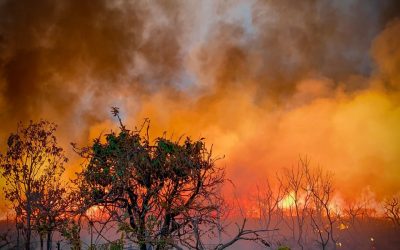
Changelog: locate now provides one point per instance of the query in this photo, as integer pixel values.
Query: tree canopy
(32, 166)
(155, 188)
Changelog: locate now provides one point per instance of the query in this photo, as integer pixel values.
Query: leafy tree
(53, 208)
(32, 160)
(154, 189)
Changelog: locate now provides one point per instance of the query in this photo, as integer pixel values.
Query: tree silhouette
(53, 208)
(392, 210)
(154, 189)
(311, 217)
(32, 161)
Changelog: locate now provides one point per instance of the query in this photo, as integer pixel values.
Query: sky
(265, 82)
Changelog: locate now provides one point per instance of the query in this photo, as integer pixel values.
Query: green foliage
(71, 232)
(156, 183)
(128, 155)
(125, 227)
(117, 245)
(92, 247)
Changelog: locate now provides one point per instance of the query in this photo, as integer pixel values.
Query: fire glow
(265, 82)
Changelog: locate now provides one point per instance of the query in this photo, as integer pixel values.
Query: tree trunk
(142, 246)
(41, 241)
(142, 234)
(49, 234)
(28, 219)
(28, 241)
(142, 240)
(18, 237)
(28, 234)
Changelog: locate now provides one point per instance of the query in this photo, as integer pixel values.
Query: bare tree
(323, 217)
(196, 238)
(392, 210)
(245, 234)
(271, 214)
(310, 212)
(31, 159)
(295, 184)
(354, 212)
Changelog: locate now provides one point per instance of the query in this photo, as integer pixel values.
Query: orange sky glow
(262, 88)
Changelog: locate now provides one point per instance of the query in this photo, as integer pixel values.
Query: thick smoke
(63, 59)
(264, 81)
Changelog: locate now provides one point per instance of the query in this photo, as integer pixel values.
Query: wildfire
(94, 212)
(288, 201)
(343, 226)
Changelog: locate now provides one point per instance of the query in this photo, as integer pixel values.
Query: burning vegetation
(276, 86)
(165, 194)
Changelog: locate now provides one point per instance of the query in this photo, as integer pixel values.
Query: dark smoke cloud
(68, 61)
(60, 57)
(290, 40)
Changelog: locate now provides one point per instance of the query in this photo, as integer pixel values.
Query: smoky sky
(69, 61)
